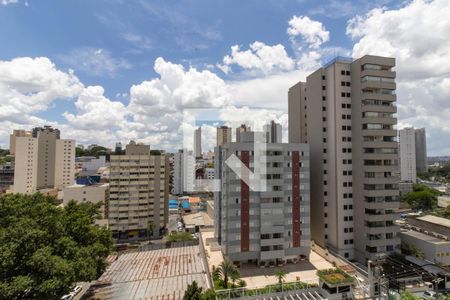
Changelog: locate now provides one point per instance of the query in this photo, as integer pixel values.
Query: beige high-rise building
(241, 129)
(12, 139)
(43, 160)
(139, 192)
(223, 135)
(346, 112)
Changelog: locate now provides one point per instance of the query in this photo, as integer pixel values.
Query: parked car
(76, 290)
(429, 295)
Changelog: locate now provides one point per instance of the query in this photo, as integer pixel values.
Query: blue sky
(115, 45)
(189, 32)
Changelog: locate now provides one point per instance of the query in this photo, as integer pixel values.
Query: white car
(429, 295)
(76, 289)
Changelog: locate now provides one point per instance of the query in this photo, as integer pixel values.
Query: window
(324, 172)
(347, 73)
(324, 98)
(342, 83)
(323, 77)
(347, 83)
(324, 129)
(342, 72)
(324, 150)
(326, 225)
(324, 108)
(324, 140)
(325, 204)
(348, 95)
(325, 193)
(323, 88)
(325, 182)
(325, 215)
(342, 94)
(324, 161)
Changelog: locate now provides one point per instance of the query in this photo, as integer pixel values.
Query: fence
(276, 289)
(205, 261)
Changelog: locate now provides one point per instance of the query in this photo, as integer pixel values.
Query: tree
(46, 249)
(209, 294)
(193, 292)
(280, 275)
(224, 271)
(234, 276)
(410, 249)
(421, 197)
(408, 296)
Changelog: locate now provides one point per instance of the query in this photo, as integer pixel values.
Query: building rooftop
(155, 274)
(435, 220)
(424, 237)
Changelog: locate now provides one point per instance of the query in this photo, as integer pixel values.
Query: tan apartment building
(139, 192)
(97, 193)
(43, 161)
(12, 139)
(346, 112)
(223, 135)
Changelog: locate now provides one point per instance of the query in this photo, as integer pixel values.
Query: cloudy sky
(107, 71)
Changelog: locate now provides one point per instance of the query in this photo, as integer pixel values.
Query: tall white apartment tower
(407, 145)
(184, 172)
(43, 160)
(273, 132)
(346, 111)
(198, 142)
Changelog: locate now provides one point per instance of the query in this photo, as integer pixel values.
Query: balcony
(378, 96)
(378, 73)
(272, 255)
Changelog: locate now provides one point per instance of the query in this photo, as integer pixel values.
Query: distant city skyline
(119, 71)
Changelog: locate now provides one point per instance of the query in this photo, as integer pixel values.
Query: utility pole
(375, 273)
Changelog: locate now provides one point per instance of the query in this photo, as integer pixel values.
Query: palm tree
(225, 271)
(234, 277)
(280, 275)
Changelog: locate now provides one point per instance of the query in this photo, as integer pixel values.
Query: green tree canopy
(46, 249)
(421, 197)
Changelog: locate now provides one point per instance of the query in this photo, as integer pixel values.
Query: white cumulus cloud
(259, 59)
(417, 36)
(312, 32)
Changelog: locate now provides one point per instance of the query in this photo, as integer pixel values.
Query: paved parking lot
(258, 277)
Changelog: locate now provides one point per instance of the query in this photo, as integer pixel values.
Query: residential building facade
(346, 111)
(198, 142)
(407, 145)
(241, 129)
(421, 150)
(183, 176)
(273, 132)
(43, 160)
(223, 135)
(139, 192)
(264, 227)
